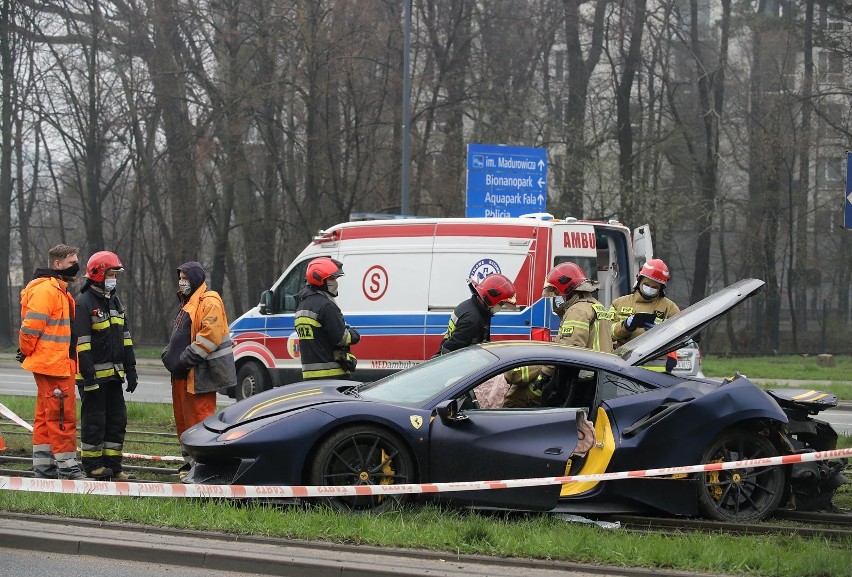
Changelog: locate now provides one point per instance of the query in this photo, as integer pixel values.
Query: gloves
(354, 336)
(346, 359)
(19, 356)
(132, 382)
(639, 321)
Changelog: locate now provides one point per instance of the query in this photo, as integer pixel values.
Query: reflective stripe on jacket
(210, 354)
(47, 310)
(322, 331)
(104, 345)
(587, 324)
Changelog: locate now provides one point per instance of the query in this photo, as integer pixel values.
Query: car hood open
(676, 331)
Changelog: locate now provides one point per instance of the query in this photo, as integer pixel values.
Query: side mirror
(265, 306)
(449, 412)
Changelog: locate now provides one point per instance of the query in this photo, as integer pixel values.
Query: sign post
(847, 202)
(505, 181)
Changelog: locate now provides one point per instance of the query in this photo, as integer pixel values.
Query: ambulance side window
(285, 293)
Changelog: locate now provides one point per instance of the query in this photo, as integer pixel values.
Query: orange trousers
(190, 409)
(48, 429)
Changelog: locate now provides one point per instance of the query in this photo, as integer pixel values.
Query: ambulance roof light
(538, 215)
(570, 219)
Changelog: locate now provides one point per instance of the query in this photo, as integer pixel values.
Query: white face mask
(109, 284)
(332, 286)
(558, 305)
(648, 292)
(496, 308)
(184, 287)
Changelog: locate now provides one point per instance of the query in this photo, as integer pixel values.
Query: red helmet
(495, 289)
(100, 262)
(656, 270)
(321, 269)
(568, 277)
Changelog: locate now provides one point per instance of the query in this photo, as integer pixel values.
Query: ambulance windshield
(418, 384)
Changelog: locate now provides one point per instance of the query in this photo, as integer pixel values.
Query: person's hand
(132, 382)
(638, 321)
(19, 356)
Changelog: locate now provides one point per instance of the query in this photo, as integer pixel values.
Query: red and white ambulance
(404, 277)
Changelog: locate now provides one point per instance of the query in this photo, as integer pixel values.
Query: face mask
(71, 271)
(184, 287)
(558, 305)
(109, 284)
(331, 285)
(496, 308)
(648, 292)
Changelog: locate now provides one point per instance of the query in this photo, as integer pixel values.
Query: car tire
(363, 455)
(251, 379)
(743, 494)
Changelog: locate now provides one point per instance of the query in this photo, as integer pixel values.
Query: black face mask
(71, 271)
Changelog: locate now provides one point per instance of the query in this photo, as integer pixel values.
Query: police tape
(4, 410)
(298, 491)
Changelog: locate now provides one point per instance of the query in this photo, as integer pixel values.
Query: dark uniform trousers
(102, 439)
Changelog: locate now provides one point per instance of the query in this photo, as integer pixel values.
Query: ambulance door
(384, 296)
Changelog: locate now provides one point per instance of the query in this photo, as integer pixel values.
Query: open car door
(498, 444)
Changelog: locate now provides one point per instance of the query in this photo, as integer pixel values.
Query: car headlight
(241, 431)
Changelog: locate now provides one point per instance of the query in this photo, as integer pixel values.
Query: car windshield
(416, 385)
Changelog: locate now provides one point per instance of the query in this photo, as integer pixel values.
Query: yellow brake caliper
(716, 491)
(387, 469)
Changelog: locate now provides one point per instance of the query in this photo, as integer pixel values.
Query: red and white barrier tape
(250, 491)
(4, 410)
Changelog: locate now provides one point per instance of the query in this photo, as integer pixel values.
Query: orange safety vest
(47, 311)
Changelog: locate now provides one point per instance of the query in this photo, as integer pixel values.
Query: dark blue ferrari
(440, 422)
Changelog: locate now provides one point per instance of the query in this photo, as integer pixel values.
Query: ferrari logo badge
(416, 421)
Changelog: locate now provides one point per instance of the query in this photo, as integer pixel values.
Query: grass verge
(795, 367)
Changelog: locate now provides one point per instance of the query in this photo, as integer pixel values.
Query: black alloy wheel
(363, 455)
(743, 494)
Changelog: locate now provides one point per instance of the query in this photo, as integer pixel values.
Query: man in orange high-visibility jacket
(47, 348)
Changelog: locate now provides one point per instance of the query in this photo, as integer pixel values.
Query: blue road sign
(505, 180)
(847, 203)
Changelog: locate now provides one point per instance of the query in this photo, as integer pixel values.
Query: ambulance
(404, 277)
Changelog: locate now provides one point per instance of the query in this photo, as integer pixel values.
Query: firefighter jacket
(469, 324)
(662, 307)
(586, 323)
(104, 347)
(324, 337)
(46, 336)
(208, 360)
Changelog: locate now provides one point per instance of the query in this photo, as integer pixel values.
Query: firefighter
(645, 307)
(200, 354)
(470, 322)
(105, 357)
(47, 347)
(585, 322)
(324, 337)
(583, 317)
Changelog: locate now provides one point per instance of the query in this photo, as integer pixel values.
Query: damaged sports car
(442, 421)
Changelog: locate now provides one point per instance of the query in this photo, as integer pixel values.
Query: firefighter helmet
(100, 262)
(656, 270)
(321, 269)
(495, 289)
(569, 277)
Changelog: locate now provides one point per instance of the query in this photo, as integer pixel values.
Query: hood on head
(194, 272)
